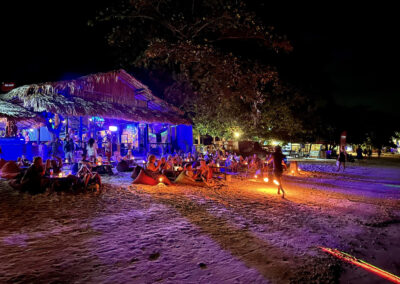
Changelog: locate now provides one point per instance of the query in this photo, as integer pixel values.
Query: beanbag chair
(123, 166)
(136, 172)
(143, 178)
(2, 162)
(9, 170)
(184, 179)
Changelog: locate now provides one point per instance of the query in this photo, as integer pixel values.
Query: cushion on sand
(2, 162)
(123, 166)
(136, 172)
(184, 179)
(9, 170)
(143, 178)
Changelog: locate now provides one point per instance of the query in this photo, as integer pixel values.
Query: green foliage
(220, 90)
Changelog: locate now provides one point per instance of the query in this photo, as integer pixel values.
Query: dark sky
(343, 52)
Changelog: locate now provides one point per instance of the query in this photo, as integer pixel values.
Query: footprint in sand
(154, 256)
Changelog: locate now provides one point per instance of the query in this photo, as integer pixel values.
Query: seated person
(86, 176)
(188, 170)
(53, 167)
(128, 156)
(254, 163)
(19, 162)
(154, 171)
(33, 181)
(203, 172)
(99, 160)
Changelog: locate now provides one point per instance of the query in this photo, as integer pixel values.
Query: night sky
(341, 52)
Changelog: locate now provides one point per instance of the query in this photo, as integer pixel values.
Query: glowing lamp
(31, 130)
(266, 179)
(113, 128)
(276, 182)
(292, 172)
(50, 120)
(255, 176)
(236, 134)
(160, 179)
(60, 174)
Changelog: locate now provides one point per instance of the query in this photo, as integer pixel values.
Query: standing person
(92, 150)
(359, 153)
(379, 152)
(69, 148)
(108, 148)
(278, 163)
(341, 160)
(369, 153)
(54, 148)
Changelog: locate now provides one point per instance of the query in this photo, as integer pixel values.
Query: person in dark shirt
(32, 179)
(341, 160)
(278, 164)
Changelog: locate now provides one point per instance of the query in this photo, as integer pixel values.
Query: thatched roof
(24, 117)
(14, 111)
(115, 95)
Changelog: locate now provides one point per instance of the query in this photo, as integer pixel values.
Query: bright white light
(113, 128)
(237, 134)
(31, 130)
(273, 142)
(276, 182)
(255, 176)
(266, 179)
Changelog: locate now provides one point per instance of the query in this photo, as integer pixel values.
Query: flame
(276, 182)
(266, 179)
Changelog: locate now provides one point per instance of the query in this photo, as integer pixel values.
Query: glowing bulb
(50, 120)
(292, 172)
(276, 182)
(255, 176)
(237, 134)
(161, 179)
(266, 179)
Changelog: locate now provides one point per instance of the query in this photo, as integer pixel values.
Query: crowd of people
(199, 167)
(39, 176)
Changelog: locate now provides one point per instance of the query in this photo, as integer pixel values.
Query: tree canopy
(220, 88)
(198, 54)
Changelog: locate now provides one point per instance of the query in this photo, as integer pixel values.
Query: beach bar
(112, 105)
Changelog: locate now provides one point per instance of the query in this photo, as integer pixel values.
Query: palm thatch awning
(14, 111)
(115, 95)
(24, 117)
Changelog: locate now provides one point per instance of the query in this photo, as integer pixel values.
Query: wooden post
(38, 135)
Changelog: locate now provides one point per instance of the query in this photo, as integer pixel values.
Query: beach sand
(235, 232)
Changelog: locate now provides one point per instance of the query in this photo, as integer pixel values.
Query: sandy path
(238, 233)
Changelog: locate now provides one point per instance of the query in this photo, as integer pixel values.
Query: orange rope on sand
(351, 259)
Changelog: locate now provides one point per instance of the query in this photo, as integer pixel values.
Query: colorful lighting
(276, 182)
(266, 179)
(363, 264)
(113, 128)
